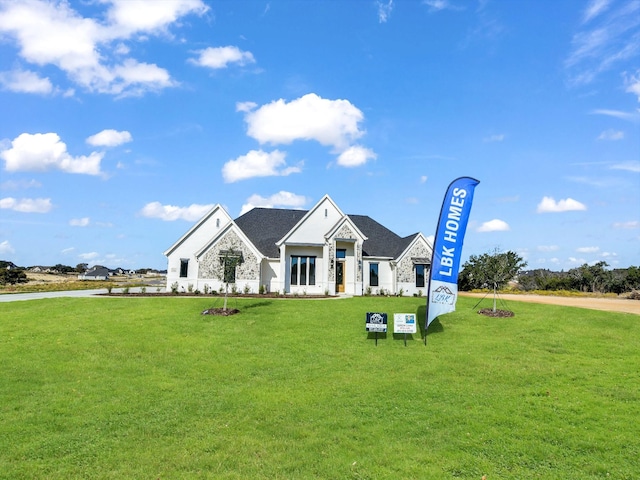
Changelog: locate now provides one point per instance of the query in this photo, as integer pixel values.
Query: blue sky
(124, 121)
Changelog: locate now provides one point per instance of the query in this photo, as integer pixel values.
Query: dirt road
(607, 304)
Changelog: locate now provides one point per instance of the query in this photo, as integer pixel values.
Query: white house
(313, 252)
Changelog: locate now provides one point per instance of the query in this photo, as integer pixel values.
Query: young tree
(491, 271)
(229, 260)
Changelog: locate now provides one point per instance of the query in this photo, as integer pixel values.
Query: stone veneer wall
(347, 233)
(332, 257)
(210, 266)
(405, 269)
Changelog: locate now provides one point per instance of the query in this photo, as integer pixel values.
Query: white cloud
(89, 255)
(423, 179)
(494, 225)
(22, 81)
(222, 57)
(609, 36)
(109, 138)
(595, 8)
(494, 138)
(257, 163)
(20, 184)
(631, 117)
(26, 205)
(632, 83)
(633, 166)
(43, 151)
(280, 199)
(5, 247)
(630, 225)
(170, 213)
(611, 134)
(548, 204)
(89, 50)
(588, 249)
(131, 16)
(245, 106)
(355, 156)
(384, 10)
(332, 123)
(79, 222)
(438, 5)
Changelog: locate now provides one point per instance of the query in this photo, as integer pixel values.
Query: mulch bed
(488, 312)
(221, 311)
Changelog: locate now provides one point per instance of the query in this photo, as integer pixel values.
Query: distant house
(95, 273)
(318, 251)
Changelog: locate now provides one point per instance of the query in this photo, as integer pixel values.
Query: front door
(340, 277)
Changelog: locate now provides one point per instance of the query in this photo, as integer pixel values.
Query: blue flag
(447, 247)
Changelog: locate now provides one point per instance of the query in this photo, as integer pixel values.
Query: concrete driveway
(15, 297)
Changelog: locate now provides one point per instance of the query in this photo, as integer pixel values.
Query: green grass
(295, 389)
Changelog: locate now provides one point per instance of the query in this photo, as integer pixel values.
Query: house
(318, 251)
(95, 273)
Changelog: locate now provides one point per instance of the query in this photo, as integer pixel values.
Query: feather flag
(447, 248)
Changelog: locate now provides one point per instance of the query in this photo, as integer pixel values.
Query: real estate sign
(376, 322)
(404, 323)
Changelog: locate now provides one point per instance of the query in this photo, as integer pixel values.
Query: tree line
(497, 270)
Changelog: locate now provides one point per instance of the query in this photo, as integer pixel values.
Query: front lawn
(295, 389)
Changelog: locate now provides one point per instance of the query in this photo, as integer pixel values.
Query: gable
(312, 228)
(204, 230)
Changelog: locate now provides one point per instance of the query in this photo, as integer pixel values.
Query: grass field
(148, 388)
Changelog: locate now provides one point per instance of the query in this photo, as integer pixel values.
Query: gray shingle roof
(265, 226)
(381, 241)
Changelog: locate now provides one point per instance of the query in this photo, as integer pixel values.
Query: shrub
(174, 288)
(247, 289)
(262, 289)
(206, 288)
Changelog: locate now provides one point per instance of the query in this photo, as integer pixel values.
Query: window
(184, 267)
(230, 259)
(341, 253)
(420, 275)
(230, 270)
(373, 275)
(294, 270)
(303, 270)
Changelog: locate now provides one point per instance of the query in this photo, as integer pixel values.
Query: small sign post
(404, 323)
(376, 322)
